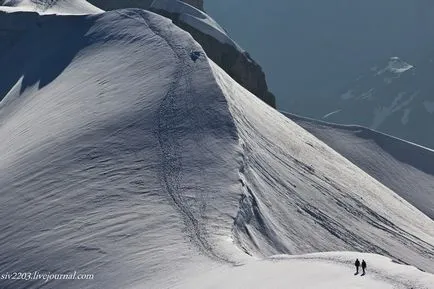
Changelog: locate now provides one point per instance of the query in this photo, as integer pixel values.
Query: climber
(363, 267)
(357, 264)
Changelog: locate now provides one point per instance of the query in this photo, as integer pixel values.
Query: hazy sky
(311, 48)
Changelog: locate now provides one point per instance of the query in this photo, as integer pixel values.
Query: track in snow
(173, 108)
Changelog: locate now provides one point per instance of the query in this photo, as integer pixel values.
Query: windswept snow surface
(195, 18)
(123, 158)
(311, 271)
(404, 167)
(301, 196)
(49, 6)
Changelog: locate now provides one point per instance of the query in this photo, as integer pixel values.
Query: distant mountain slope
(404, 167)
(393, 97)
(128, 154)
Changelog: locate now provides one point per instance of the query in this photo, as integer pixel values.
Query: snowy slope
(49, 6)
(124, 158)
(404, 167)
(322, 270)
(82, 169)
(301, 196)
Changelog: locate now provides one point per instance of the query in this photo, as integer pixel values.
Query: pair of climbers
(357, 264)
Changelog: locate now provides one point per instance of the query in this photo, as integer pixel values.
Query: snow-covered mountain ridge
(189, 16)
(219, 46)
(404, 167)
(125, 157)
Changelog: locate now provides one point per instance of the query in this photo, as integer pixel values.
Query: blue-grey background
(312, 48)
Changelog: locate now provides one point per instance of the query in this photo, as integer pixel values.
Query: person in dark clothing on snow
(363, 267)
(357, 264)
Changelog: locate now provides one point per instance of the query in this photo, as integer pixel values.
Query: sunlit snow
(124, 158)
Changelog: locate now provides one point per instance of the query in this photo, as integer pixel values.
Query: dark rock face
(249, 74)
(239, 65)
